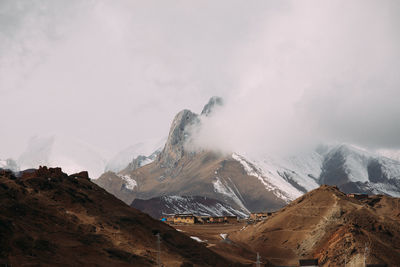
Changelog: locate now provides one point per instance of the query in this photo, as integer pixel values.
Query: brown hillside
(48, 218)
(328, 225)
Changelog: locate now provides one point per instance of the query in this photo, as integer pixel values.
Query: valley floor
(216, 237)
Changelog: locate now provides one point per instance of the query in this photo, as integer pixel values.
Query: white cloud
(114, 73)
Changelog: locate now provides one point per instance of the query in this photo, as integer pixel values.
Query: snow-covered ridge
(389, 153)
(199, 206)
(270, 178)
(357, 162)
(290, 177)
(221, 186)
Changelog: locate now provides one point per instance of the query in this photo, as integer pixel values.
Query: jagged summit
(178, 134)
(214, 102)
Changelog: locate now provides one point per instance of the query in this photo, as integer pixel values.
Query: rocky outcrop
(140, 161)
(330, 226)
(180, 131)
(149, 148)
(212, 104)
(178, 135)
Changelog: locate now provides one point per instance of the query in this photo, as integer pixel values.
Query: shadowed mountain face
(51, 219)
(164, 205)
(328, 225)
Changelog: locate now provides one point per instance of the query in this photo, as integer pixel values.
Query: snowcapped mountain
(198, 205)
(59, 151)
(147, 150)
(249, 182)
(358, 170)
(177, 171)
(351, 168)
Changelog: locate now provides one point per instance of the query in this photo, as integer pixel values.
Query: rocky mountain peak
(178, 134)
(214, 102)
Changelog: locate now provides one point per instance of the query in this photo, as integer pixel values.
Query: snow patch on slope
(271, 180)
(130, 183)
(222, 187)
(145, 148)
(389, 153)
(194, 205)
(197, 239)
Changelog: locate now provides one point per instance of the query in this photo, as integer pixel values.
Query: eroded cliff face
(184, 123)
(179, 133)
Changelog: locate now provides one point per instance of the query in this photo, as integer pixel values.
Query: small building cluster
(189, 218)
(259, 216)
(194, 219)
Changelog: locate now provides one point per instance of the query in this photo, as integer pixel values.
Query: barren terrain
(48, 218)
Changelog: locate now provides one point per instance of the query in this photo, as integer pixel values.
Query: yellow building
(184, 219)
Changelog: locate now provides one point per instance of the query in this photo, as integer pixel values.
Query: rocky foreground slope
(48, 218)
(328, 225)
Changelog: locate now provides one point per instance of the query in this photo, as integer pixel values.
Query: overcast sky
(113, 73)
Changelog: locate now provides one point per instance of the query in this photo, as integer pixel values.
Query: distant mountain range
(144, 153)
(61, 151)
(246, 182)
(74, 155)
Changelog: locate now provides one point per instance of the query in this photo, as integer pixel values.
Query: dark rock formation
(178, 135)
(213, 103)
